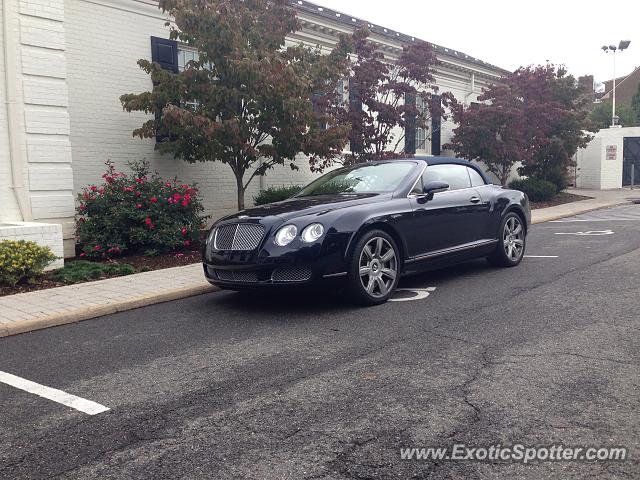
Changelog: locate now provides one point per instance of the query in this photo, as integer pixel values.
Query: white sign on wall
(612, 152)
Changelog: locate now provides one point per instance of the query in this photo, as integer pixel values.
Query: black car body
(428, 229)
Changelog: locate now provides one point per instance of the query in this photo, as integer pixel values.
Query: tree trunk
(505, 173)
(240, 190)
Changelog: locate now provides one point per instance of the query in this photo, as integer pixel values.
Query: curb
(559, 216)
(81, 314)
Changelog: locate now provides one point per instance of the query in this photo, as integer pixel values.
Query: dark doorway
(631, 152)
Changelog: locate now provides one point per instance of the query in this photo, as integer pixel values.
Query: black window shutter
(355, 105)
(410, 126)
(165, 52)
(316, 99)
(436, 126)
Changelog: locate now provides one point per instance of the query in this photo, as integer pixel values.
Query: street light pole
(623, 45)
(613, 114)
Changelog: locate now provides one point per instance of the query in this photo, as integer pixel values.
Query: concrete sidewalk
(600, 199)
(25, 312)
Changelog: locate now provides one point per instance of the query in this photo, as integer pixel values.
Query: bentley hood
(303, 206)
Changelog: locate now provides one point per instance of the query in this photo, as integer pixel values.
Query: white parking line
(420, 294)
(596, 220)
(541, 256)
(80, 404)
(590, 233)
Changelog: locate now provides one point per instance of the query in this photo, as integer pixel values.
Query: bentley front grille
(239, 237)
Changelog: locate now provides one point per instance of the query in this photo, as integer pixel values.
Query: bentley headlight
(286, 235)
(211, 236)
(312, 233)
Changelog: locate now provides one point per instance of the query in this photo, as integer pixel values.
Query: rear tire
(375, 268)
(512, 241)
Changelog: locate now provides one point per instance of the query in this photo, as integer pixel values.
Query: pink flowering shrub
(136, 212)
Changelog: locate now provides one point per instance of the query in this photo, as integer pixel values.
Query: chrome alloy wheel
(378, 267)
(513, 238)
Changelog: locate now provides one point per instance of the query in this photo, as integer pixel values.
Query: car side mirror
(435, 187)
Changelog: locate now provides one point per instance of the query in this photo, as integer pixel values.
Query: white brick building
(64, 65)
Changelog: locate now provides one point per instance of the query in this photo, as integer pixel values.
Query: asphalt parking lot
(302, 386)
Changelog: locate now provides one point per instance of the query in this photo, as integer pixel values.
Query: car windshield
(367, 178)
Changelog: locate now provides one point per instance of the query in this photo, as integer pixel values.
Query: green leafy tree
(601, 114)
(635, 105)
(248, 101)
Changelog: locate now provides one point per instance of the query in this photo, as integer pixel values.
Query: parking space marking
(596, 220)
(588, 233)
(625, 213)
(541, 256)
(420, 294)
(64, 398)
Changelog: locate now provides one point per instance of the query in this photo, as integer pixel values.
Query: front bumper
(271, 265)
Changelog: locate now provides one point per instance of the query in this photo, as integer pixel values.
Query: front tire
(375, 268)
(512, 240)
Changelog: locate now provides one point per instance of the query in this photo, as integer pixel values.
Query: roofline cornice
(324, 16)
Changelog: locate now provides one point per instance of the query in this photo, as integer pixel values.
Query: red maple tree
(538, 116)
(385, 97)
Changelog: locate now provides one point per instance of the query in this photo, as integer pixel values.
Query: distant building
(587, 85)
(626, 87)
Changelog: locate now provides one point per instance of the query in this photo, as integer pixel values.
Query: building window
(186, 55)
(342, 91)
(421, 139)
(421, 132)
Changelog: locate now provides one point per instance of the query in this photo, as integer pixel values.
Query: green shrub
(558, 178)
(137, 212)
(537, 190)
(276, 194)
(82, 271)
(22, 260)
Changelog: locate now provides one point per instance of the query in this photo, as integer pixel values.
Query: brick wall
(40, 124)
(104, 40)
(626, 87)
(46, 235)
(102, 66)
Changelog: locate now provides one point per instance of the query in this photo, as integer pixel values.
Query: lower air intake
(240, 277)
(291, 274)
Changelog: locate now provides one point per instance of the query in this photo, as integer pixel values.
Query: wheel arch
(378, 225)
(517, 209)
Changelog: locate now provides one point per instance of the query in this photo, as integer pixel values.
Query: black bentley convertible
(367, 225)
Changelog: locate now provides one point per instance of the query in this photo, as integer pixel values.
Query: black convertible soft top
(453, 160)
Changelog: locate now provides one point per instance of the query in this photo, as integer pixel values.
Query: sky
(513, 33)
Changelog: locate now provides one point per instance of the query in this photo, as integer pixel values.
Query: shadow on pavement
(287, 300)
(435, 277)
(323, 299)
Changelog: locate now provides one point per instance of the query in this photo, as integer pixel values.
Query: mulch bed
(140, 262)
(559, 199)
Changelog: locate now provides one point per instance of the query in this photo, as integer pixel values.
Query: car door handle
(474, 199)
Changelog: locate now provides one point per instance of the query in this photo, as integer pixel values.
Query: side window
(455, 175)
(476, 178)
